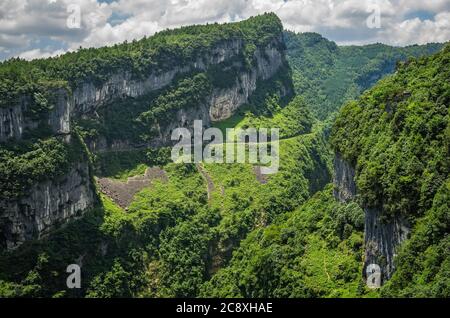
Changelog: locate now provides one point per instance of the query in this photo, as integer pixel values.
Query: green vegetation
(22, 164)
(189, 94)
(124, 164)
(115, 246)
(397, 135)
(155, 54)
(315, 251)
(225, 230)
(272, 105)
(292, 120)
(424, 262)
(327, 75)
(168, 228)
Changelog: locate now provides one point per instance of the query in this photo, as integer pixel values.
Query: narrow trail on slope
(209, 183)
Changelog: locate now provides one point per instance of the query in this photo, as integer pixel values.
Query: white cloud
(419, 31)
(38, 53)
(24, 22)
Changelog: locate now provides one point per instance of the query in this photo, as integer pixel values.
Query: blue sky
(39, 28)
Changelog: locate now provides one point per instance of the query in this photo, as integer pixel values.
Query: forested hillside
(61, 115)
(158, 52)
(96, 122)
(398, 136)
(327, 75)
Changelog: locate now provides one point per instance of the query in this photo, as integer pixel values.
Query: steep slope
(168, 228)
(391, 186)
(172, 225)
(118, 98)
(327, 75)
(225, 229)
(314, 251)
(395, 140)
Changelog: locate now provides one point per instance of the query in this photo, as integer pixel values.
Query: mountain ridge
(291, 234)
(146, 109)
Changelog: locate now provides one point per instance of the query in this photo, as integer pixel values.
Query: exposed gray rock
(14, 120)
(51, 203)
(89, 96)
(344, 179)
(46, 205)
(382, 237)
(222, 103)
(183, 118)
(382, 240)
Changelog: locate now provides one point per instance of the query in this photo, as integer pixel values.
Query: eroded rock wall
(382, 236)
(16, 119)
(46, 205)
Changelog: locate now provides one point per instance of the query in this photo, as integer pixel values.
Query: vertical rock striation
(51, 203)
(16, 119)
(46, 205)
(88, 96)
(381, 237)
(344, 179)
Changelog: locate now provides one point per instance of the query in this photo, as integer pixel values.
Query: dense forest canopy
(223, 230)
(397, 134)
(140, 57)
(327, 75)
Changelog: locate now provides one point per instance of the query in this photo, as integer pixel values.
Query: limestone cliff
(381, 237)
(17, 120)
(221, 104)
(46, 205)
(88, 96)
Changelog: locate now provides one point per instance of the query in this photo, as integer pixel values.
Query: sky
(41, 28)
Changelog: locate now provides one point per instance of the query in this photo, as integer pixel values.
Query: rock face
(88, 96)
(224, 103)
(15, 120)
(344, 179)
(381, 238)
(46, 205)
(220, 105)
(51, 203)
